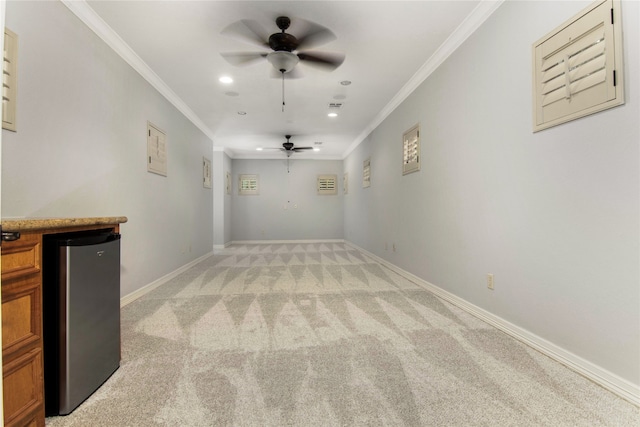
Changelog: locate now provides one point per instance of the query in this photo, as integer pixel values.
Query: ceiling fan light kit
(283, 61)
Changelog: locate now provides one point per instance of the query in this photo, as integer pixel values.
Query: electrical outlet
(490, 281)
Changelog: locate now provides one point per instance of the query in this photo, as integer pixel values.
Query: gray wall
(553, 215)
(264, 217)
(80, 149)
(221, 200)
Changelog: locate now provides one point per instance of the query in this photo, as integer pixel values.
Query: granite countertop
(23, 224)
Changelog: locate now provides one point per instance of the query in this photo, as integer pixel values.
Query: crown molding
(470, 24)
(229, 153)
(91, 19)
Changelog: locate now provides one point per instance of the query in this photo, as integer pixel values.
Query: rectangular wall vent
(577, 67)
(9, 80)
(411, 150)
(248, 185)
(366, 173)
(156, 150)
(327, 184)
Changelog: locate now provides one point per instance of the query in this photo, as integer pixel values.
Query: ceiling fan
(285, 48)
(289, 148)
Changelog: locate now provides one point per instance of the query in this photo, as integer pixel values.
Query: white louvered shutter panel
(411, 150)
(248, 185)
(327, 184)
(577, 68)
(366, 173)
(9, 80)
(156, 150)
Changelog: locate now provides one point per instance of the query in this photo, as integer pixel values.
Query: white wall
(553, 215)
(264, 217)
(80, 149)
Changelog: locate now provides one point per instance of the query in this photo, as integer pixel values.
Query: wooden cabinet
(22, 346)
(22, 369)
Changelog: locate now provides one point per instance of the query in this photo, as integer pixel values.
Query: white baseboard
(127, 299)
(219, 248)
(600, 376)
(282, 242)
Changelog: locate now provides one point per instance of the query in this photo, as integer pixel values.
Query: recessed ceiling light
(225, 79)
(345, 82)
(231, 93)
(316, 149)
(332, 114)
(259, 149)
(340, 97)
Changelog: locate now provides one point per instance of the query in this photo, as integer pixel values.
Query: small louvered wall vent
(366, 173)
(411, 150)
(156, 150)
(9, 80)
(577, 67)
(248, 185)
(327, 184)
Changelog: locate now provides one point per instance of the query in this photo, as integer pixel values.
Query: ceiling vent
(335, 105)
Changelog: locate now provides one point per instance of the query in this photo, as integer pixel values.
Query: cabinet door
(21, 257)
(23, 392)
(21, 312)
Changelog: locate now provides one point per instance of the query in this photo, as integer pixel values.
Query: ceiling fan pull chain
(282, 90)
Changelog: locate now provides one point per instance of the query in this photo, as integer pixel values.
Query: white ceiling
(386, 44)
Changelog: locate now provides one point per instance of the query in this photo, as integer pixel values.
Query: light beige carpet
(321, 335)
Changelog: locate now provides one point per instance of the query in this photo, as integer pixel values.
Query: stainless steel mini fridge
(81, 307)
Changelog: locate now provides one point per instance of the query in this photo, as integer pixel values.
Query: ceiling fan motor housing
(283, 41)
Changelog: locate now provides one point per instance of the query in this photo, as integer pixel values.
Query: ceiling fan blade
(302, 148)
(325, 60)
(243, 58)
(248, 31)
(310, 34)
